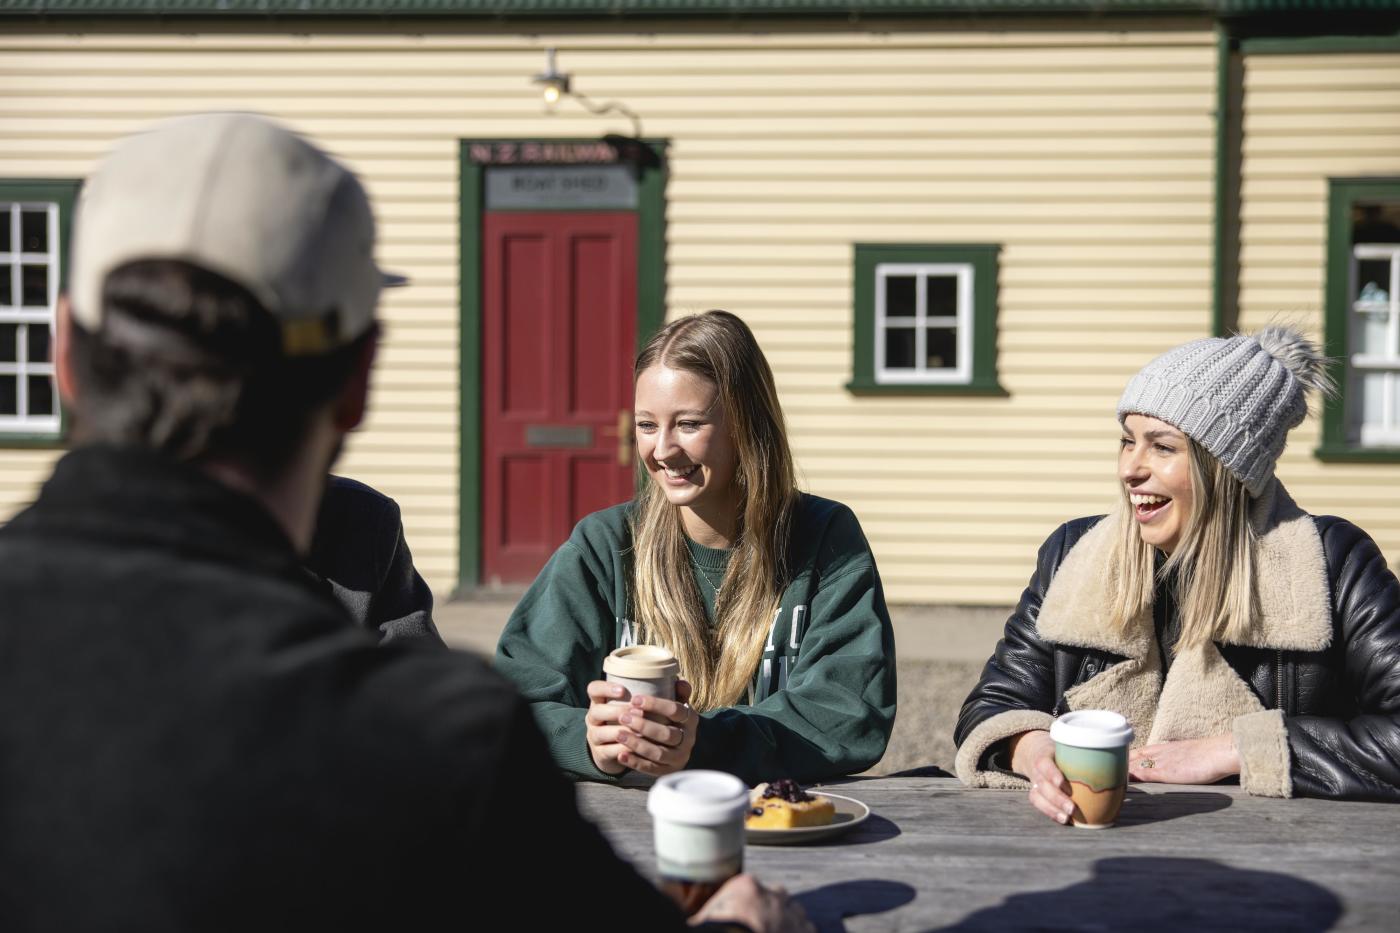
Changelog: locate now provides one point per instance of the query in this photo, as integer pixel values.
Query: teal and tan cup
(1091, 751)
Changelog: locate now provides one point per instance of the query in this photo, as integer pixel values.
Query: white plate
(849, 813)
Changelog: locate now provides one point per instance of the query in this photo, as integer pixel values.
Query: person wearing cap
(198, 738)
(1238, 634)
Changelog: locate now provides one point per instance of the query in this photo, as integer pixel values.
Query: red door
(559, 318)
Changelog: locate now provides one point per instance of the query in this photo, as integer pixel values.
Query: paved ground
(941, 650)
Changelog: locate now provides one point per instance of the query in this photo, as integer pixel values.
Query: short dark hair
(189, 363)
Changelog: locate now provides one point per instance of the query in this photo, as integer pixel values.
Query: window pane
(34, 231)
(942, 346)
(9, 342)
(899, 348)
(900, 296)
(1373, 334)
(38, 343)
(34, 281)
(8, 400)
(942, 296)
(1373, 281)
(7, 294)
(1373, 399)
(4, 228)
(1375, 223)
(41, 395)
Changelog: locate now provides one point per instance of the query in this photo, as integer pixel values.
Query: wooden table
(937, 856)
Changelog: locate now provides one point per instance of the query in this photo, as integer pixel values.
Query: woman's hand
(657, 735)
(601, 720)
(1033, 756)
(1192, 761)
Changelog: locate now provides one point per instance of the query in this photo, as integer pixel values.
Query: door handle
(624, 437)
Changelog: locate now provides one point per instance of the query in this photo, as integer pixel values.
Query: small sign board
(596, 187)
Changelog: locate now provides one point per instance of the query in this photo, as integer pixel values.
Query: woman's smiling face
(1154, 465)
(683, 439)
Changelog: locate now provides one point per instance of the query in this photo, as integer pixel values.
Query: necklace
(705, 575)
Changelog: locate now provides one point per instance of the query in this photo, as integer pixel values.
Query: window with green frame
(35, 217)
(925, 319)
(1363, 320)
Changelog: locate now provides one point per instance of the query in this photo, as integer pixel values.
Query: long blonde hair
(1213, 562)
(666, 604)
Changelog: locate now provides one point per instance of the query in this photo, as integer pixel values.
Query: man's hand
(763, 910)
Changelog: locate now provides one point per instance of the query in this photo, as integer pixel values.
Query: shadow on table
(926, 771)
(1167, 895)
(875, 829)
(830, 905)
(1140, 807)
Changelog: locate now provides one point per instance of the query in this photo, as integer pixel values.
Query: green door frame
(651, 312)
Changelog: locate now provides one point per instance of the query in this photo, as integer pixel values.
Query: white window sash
(21, 368)
(920, 373)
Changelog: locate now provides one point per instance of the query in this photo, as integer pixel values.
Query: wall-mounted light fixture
(556, 84)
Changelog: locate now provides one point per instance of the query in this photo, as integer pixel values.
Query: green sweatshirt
(822, 701)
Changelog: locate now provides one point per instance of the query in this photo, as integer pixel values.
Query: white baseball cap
(242, 196)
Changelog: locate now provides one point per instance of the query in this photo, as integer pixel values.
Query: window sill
(32, 441)
(989, 390)
(1329, 453)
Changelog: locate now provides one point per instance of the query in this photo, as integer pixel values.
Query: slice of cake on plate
(785, 805)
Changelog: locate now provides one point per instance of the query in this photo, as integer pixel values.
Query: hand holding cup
(637, 717)
(1091, 751)
(1033, 755)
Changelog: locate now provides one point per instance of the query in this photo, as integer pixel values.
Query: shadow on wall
(1167, 895)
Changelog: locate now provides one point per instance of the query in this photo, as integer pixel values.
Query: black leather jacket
(1341, 704)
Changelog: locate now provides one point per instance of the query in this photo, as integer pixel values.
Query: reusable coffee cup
(698, 818)
(1091, 751)
(645, 670)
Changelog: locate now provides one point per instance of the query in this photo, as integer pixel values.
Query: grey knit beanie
(1238, 397)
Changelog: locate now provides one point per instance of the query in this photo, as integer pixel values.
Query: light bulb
(551, 94)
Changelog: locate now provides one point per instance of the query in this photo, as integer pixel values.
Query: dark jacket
(360, 553)
(196, 738)
(1336, 699)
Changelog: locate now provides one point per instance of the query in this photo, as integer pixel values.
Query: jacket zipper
(1278, 680)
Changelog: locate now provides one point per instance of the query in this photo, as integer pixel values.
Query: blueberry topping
(786, 789)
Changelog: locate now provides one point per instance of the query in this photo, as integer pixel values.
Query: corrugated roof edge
(668, 8)
(1276, 10)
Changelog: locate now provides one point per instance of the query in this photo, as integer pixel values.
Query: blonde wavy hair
(1213, 562)
(666, 604)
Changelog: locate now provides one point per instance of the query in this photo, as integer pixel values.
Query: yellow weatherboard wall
(1086, 154)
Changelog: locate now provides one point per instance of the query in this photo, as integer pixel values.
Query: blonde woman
(1237, 633)
(768, 597)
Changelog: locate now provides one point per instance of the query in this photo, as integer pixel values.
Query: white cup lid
(642, 662)
(1092, 728)
(699, 798)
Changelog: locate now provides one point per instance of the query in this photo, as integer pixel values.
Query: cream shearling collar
(1202, 694)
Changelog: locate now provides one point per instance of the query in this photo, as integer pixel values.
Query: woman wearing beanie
(1238, 634)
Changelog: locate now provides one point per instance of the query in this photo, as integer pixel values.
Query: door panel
(558, 337)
